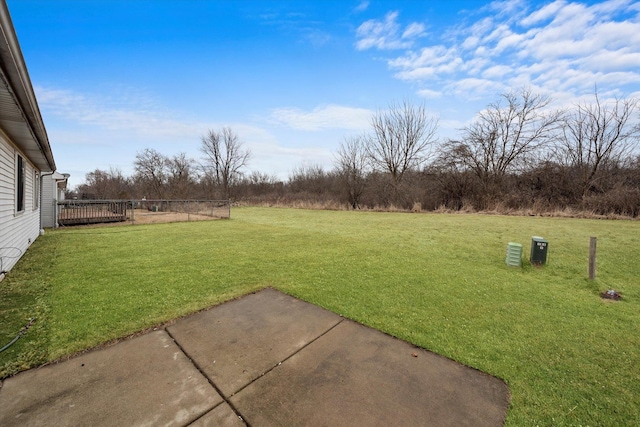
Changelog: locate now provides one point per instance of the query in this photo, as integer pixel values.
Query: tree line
(516, 154)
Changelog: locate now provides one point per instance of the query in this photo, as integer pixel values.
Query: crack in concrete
(215, 387)
(227, 399)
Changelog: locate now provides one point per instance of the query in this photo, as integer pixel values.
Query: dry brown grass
(145, 216)
(296, 204)
(498, 208)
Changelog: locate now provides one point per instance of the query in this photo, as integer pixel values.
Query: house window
(36, 190)
(20, 184)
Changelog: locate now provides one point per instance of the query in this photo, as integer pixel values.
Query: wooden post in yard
(592, 258)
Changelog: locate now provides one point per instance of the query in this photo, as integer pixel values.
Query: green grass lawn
(436, 280)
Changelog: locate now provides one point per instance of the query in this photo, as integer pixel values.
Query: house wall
(17, 229)
(53, 185)
(49, 192)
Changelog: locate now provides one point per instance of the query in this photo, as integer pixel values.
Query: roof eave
(21, 119)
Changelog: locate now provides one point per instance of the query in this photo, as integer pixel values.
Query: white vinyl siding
(51, 195)
(48, 201)
(17, 229)
(50, 198)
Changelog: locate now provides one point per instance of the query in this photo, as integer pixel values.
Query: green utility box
(514, 254)
(539, 248)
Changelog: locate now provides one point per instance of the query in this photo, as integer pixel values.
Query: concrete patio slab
(354, 375)
(144, 381)
(237, 342)
(266, 359)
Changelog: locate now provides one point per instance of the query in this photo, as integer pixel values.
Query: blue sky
(294, 78)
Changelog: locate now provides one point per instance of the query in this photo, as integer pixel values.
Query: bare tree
(224, 157)
(352, 162)
(401, 138)
(181, 176)
(505, 137)
(598, 136)
(101, 184)
(150, 167)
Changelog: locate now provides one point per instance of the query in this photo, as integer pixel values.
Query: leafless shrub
(621, 200)
(352, 164)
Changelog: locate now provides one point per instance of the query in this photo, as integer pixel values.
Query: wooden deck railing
(75, 212)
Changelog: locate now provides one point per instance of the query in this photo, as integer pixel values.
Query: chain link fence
(86, 212)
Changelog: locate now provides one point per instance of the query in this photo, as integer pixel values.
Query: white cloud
(563, 46)
(543, 14)
(499, 32)
(479, 29)
(508, 40)
(429, 63)
(509, 11)
(421, 73)
(470, 42)
(92, 131)
(430, 94)
(387, 34)
(476, 65)
(362, 6)
(496, 72)
(321, 118)
(612, 7)
(473, 88)
(138, 115)
(428, 56)
(606, 60)
(414, 29)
